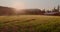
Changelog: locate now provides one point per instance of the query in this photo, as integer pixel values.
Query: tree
(6, 11)
(33, 11)
(43, 11)
(56, 10)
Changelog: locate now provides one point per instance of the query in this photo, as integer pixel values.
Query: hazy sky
(26, 4)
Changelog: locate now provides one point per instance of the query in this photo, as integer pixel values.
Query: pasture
(30, 23)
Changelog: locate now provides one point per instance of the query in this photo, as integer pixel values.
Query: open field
(30, 23)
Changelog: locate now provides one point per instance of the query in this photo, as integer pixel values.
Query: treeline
(10, 11)
(54, 11)
(34, 12)
(6, 11)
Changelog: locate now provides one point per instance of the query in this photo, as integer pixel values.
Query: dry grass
(30, 23)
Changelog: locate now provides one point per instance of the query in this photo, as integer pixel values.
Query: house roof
(51, 13)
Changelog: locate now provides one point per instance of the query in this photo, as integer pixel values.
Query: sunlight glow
(18, 5)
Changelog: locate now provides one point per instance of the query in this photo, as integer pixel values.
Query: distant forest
(7, 11)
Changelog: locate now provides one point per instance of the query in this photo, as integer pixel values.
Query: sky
(30, 4)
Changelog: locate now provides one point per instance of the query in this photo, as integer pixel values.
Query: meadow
(29, 23)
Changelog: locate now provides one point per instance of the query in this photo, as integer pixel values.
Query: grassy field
(30, 23)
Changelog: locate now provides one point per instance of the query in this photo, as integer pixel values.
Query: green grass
(30, 23)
